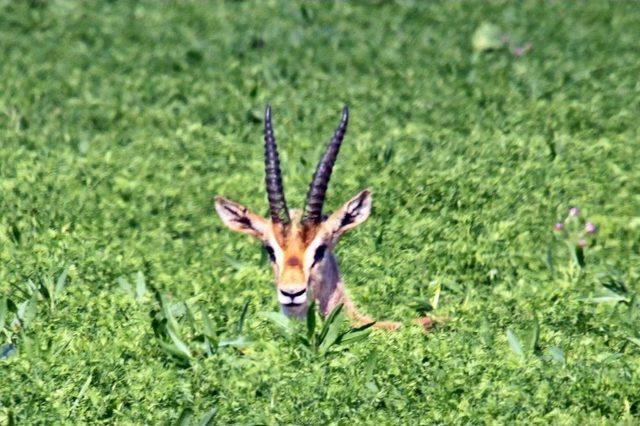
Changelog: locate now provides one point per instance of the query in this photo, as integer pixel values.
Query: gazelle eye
(319, 255)
(271, 253)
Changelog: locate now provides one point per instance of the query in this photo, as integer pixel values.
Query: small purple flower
(582, 243)
(590, 228)
(574, 212)
(558, 227)
(519, 51)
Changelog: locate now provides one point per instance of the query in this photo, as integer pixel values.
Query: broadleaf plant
(330, 338)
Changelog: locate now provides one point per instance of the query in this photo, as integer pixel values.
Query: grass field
(119, 122)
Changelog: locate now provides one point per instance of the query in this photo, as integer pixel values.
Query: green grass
(120, 121)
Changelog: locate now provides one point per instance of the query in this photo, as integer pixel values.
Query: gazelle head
(299, 244)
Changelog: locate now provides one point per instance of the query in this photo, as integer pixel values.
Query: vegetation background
(477, 125)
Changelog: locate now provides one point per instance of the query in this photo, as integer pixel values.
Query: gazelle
(300, 244)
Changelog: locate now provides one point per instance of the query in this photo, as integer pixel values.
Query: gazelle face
(298, 245)
(298, 250)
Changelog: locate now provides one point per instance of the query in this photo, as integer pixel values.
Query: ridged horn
(320, 181)
(273, 175)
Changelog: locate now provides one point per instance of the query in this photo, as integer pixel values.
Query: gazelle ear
(238, 218)
(351, 214)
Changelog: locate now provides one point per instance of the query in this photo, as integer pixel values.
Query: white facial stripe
(311, 250)
(277, 251)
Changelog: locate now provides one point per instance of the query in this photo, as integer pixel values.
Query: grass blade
(327, 323)
(578, 256)
(549, 259)
(238, 343)
(124, 285)
(141, 286)
(207, 347)
(62, 281)
(557, 354)
(27, 310)
(634, 303)
(83, 390)
(535, 338)
(235, 263)
(435, 301)
(332, 334)
(168, 314)
(191, 319)
(634, 340)
(172, 350)
(311, 321)
(330, 338)
(207, 419)
(514, 343)
(281, 321)
(3, 312)
(209, 328)
(243, 315)
(179, 344)
(47, 291)
(185, 417)
(356, 334)
(605, 299)
(32, 288)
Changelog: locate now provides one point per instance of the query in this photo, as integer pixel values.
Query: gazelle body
(300, 243)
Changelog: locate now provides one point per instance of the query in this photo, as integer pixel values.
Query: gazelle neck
(326, 285)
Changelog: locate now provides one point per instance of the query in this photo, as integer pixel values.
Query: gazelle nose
(292, 297)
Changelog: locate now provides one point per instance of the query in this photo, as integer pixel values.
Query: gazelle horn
(320, 182)
(273, 175)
